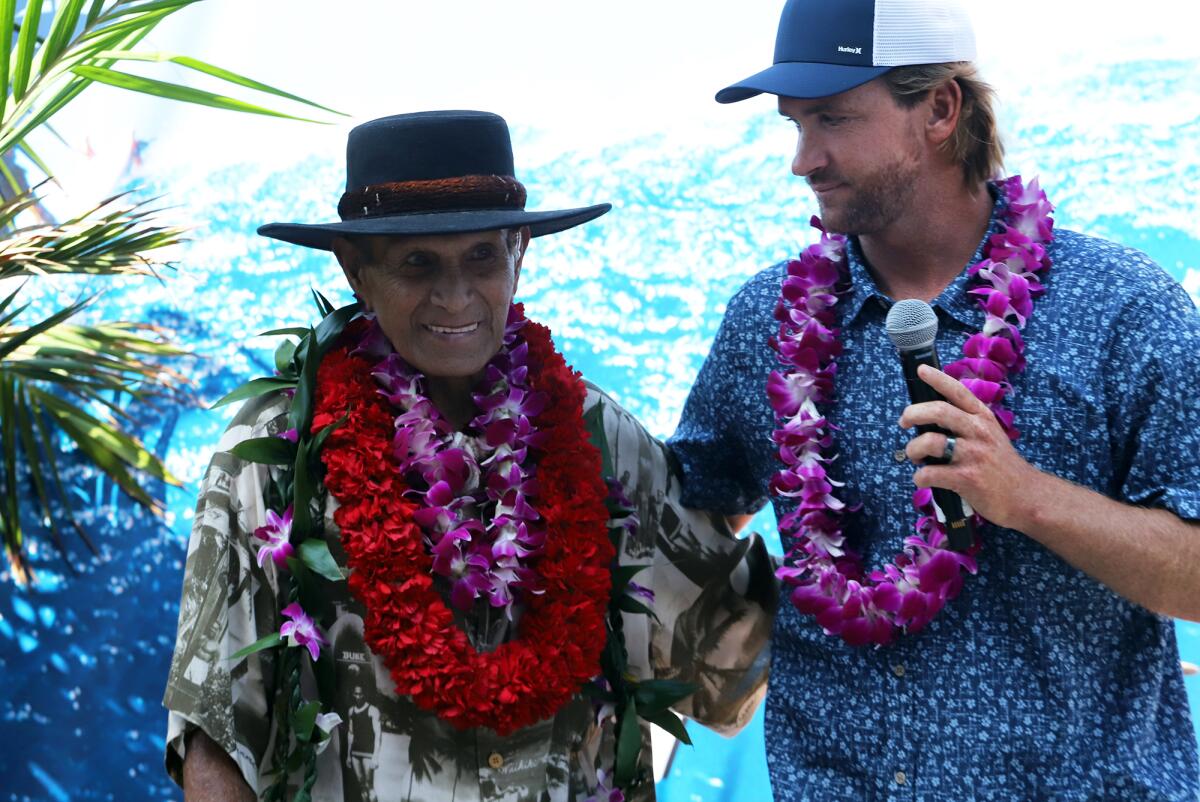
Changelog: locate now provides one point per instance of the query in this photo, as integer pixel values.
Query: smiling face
(442, 300)
(861, 153)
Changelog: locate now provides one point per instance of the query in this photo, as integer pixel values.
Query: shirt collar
(953, 300)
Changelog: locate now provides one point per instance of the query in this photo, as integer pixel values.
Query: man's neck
(452, 398)
(919, 254)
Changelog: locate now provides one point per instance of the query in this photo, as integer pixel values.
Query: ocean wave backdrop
(633, 300)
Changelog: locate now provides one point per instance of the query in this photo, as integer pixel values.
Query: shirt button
(900, 455)
(901, 778)
(898, 669)
(495, 760)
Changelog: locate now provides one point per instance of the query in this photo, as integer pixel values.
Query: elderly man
(1037, 661)
(505, 528)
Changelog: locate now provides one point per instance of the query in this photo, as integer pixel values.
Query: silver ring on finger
(948, 451)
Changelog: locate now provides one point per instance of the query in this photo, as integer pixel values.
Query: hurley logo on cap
(855, 50)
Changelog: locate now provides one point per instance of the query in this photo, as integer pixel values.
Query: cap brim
(800, 79)
(321, 235)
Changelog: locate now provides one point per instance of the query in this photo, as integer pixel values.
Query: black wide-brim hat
(432, 172)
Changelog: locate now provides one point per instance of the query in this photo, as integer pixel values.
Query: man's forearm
(210, 775)
(1149, 556)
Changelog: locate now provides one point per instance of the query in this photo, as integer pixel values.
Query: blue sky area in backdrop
(608, 102)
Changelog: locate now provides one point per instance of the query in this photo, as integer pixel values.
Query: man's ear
(350, 257)
(522, 249)
(945, 106)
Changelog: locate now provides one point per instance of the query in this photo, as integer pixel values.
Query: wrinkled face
(442, 300)
(861, 153)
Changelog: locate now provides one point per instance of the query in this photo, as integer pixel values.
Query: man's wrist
(1038, 495)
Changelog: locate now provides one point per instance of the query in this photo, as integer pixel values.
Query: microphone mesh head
(911, 324)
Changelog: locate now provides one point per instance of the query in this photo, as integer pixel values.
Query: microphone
(912, 327)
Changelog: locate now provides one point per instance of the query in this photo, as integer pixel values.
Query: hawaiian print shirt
(1037, 682)
(713, 597)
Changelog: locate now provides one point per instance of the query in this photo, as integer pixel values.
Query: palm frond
(71, 376)
(111, 239)
(81, 49)
(63, 381)
(62, 377)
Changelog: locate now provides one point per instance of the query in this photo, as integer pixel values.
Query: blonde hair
(976, 141)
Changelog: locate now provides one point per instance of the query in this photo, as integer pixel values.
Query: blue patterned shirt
(1037, 682)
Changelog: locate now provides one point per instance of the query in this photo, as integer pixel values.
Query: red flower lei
(407, 623)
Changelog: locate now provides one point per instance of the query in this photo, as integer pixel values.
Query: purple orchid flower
(302, 630)
(277, 533)
(604, 791)
(640, 592)
(439, 513)
(468, 571)
(374, 344)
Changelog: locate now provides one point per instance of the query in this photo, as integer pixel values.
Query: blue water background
(634, 301)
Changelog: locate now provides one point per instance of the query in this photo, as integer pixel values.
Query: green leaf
(316, 555)
(629, 744)
(216, 72)
(32, 452)
(125, 8)
(32, 155)
(255, 388)
(39, 421)
(7, 346)
(65, 95)
(269, 642)
(25, 44)
(116, 33)
(628, 604)
(318, 442)
(97, 436)
(61, 30)
(93, 13)
(623, 574)
(614, 654)
(303, 489)
(266, 451)
(183, 94)
(8, 301)
(13, 536)
(8, 13)
(296, 331)
(324, 307)
(16, 184)
(331, 327)
(283, 356)
(303, 720)
(294, 763)
(593, 422)
(300, 413)
(671, 723)
(313, 594)
(653, 696)
(323, 337)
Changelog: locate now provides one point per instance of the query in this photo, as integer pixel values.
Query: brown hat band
(438, 195)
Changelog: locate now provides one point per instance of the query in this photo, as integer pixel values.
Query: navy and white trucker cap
(828, 46)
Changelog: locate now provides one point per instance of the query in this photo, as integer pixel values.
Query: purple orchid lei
(826, 577)
(474, 489)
